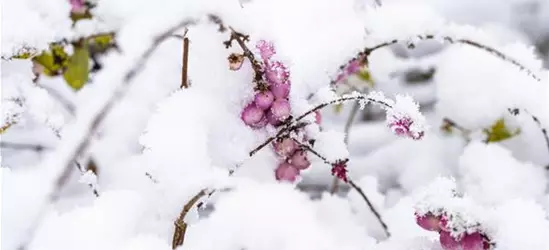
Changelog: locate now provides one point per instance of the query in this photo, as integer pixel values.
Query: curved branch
(73, 147)
(371, 206)
(180, 226)
(353, 185)
(363, 55)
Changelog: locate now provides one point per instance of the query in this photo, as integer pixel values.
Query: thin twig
(347, 130)
(367, 51)
(293, 124)
(23, 146)
(371, 206)
(180, 226)
(184, 81)
(256, 65)
(353, 185)
(82, 170)
(74, 147)
(68, 105)
(538, 123)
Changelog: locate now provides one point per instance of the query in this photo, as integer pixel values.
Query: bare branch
(353, 185)
(371, 206)
(538, 123)
(74, 147)
(363, 55)
(184, 71)
(180, 226)
(23, 146)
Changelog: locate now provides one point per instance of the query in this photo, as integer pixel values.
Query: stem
(73, 147)
(23, 146)
(82, 170)
(256, 65)
(540, 126)
(184, 81)
(293, 124)
(367, 51)
(371, 206)
(348, 125)
(353, 185)
(180, 226)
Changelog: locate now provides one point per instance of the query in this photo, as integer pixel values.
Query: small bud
(235, 61)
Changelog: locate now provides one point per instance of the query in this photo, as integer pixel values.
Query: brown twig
(353, 185)
(180, 226)
(74, 147)
(184, 72)
(241, 40)
(82, 170)
(371, 206)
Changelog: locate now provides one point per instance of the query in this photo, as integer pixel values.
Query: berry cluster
(448, 241)
(271, 106)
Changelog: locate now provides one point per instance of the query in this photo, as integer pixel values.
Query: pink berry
(318, 117)
(443, 223)
(252, 115)
(286, 147)
(280, 109)
(286, 172)
(428, 222)
(280, 90)
(272, 119)
(299, 160)
(472, 241)
(264, 100)
(448, 242)
(262, 123)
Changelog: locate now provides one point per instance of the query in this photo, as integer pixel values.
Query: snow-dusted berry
(448, 242)
(277, 73)
(472, 241)
(428, 222)
(272, 119)
(252, 115)
(264, 99)
(280, 109)
(299, 160)
(281, 90)
(285, 148)
(286, 172)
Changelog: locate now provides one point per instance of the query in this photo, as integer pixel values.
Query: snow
(158, 145)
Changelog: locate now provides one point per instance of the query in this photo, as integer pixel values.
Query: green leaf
(365, 76)
(53, 61)
(78, 67)
(46, 60)
(338, 107)
(499, 132)
(102, 42)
